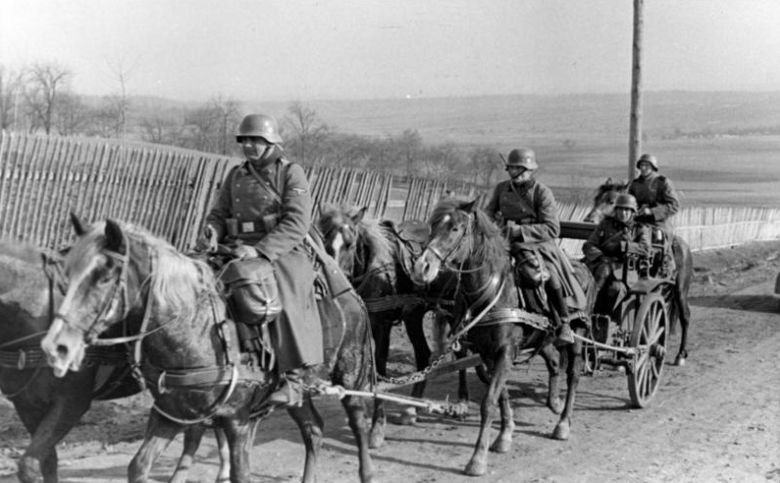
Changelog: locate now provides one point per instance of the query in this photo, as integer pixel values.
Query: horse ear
(361, 213)
(468, 206)
(115, 239)
(78, 226)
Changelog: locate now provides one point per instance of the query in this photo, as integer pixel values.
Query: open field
(582, 139)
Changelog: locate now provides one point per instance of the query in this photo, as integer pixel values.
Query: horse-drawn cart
(631, 318)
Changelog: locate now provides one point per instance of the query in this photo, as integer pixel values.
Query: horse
(463, 239)
(49, 407)
(173, 307)
(677, 300)
(372, 254)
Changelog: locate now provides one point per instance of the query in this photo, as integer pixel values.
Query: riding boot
(558, 305)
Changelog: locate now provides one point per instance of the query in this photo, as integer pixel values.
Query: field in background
(719, 148)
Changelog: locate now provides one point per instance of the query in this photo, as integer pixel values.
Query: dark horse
(604, 205)
(373, 255)
(49, 407)
(494, 325)
(190, 357)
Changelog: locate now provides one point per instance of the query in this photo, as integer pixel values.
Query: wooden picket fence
(169, 191)
(164, 189)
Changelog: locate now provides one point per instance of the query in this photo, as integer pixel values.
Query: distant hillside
(503, 121)
(718, 147)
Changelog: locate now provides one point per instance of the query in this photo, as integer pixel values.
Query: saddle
(253, 281)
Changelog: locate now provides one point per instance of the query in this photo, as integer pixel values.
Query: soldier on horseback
(614, 237)
(527, 211)
(264, 210)
(658, 203)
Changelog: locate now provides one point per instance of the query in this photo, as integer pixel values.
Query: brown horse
(50, 407)
(677, 300)
(190, 358)
(493, 324)
(372, 254)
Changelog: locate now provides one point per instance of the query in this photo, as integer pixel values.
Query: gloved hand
(514, 231)
(207, 242)
(245, 251)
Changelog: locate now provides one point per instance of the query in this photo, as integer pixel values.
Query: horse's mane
(489, 246)
(177, 282)
(374, 236)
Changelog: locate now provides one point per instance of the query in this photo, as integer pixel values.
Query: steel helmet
(523, 157)
(650, 159)
(625, 200)
(259, 125)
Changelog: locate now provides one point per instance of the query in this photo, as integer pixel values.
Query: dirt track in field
(715, 419)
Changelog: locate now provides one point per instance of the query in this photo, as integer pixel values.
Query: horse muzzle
(63, 348)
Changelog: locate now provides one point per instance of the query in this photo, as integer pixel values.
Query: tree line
(38, 98)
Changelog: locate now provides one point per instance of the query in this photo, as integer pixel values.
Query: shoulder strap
(281, 179)
(532, 207)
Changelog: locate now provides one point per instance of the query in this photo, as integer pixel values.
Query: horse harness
(32, 356)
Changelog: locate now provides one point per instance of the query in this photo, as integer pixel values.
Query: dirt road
(715, 419)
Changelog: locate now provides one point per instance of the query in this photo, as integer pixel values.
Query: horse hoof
(562, 431)
(679, 361)
(408, 417)
(501, 446)
(27, 470)
(476, 468)
(556, 406)
(376, 439)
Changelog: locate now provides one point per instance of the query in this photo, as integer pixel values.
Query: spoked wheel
(649, 336)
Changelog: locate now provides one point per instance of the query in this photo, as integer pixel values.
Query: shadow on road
(753, 303)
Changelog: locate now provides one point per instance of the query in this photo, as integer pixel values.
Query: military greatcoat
(609, 239)
(272, 212)
(657, 193)
(532, 205)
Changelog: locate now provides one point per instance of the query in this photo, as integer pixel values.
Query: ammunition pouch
(252, 292)
(530, 270)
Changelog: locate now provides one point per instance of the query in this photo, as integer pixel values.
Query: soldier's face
(623, 215)
(254, 147)
(518, 173)
(645, 168)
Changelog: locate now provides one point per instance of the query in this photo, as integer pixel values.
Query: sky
(283, 50)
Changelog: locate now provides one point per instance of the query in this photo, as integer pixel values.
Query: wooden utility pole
(635, 128)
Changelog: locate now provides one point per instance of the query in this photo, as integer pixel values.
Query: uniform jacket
(277, 230)
(657, 193)
(611, 235)
(532, 206)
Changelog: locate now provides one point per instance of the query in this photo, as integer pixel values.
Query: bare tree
(117, 105)
(44, 83)
(308, 132)
(71, 116)
(483, 163)
(161, 130)
(410, 144)
(11, 85)
(211, 125)
(228, 110)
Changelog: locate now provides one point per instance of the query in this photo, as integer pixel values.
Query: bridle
(445, 259)
(119, 294)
